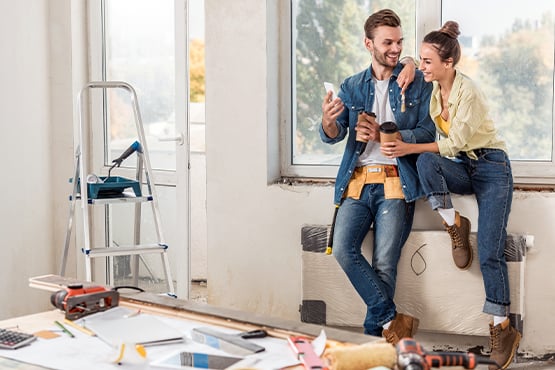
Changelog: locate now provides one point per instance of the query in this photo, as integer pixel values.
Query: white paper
(85, 352)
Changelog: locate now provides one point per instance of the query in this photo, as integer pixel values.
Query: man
(371, 189)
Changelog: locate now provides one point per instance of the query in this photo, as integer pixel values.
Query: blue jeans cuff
(496, 309)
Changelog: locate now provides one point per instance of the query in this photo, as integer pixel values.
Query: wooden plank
(240, 320)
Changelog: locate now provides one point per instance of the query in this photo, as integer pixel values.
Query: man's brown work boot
(402, 326)
(504, 341)
(460, 233)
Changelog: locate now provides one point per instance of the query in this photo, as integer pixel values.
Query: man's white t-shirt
(382, 109)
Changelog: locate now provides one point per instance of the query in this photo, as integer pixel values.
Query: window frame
(428, 18)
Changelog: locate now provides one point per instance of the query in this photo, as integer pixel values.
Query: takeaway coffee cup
(372, 118)
(388, 132)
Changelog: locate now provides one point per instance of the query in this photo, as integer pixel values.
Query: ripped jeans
(374, 281)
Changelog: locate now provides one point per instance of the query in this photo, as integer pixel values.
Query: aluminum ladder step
(125, 250)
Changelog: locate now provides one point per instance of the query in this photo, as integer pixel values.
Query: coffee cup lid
(388, 127)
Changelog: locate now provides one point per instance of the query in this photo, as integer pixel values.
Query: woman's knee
(426, 157)
(426, 161)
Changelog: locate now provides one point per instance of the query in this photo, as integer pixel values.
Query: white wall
(25, 142)
(254, 228)
(68, 74)
(42, 64)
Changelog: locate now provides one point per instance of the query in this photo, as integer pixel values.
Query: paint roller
(361, 357)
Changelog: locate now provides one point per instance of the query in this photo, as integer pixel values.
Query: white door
(145, 43)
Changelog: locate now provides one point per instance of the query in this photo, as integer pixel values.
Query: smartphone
(329, 87)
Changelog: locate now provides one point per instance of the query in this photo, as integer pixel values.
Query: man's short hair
(384, 17)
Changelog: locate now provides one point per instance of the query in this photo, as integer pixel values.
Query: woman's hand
(399, 148)
(406, 76)
(395, 149)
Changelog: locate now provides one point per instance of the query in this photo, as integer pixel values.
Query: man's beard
(381, 59)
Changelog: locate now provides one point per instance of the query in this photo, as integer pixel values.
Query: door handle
(180, 140)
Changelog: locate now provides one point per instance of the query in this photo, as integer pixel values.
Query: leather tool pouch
(386, 175)
(392, 188)
(357, 182)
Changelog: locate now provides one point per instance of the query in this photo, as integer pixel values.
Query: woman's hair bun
(451, 29)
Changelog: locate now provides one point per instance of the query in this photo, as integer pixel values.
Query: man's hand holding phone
(329, 87)
(331, 109)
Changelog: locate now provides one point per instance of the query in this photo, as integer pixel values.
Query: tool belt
(376, 174)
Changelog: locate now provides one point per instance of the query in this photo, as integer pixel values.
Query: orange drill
(411, 356)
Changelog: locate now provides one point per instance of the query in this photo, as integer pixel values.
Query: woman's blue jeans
(490, 179)
(374, 282)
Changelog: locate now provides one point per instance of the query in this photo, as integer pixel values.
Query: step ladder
(110, 191)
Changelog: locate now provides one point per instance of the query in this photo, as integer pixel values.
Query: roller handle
(136, 146)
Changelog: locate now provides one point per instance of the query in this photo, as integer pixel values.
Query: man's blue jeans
(375, 282)
(490, 179)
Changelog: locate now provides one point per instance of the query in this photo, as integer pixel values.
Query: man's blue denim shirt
(415, 125)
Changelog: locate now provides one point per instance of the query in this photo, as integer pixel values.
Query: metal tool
(206, 361)
(236, 344)
(411, 356)
(78, 301)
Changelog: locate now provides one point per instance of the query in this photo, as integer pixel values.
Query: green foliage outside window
(329, 47)
(515, 71)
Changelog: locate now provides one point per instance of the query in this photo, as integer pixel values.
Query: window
(328, 45)
(511, 58)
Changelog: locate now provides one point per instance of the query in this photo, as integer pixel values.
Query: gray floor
(526, 365)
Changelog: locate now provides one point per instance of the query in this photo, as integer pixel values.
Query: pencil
(64, 329)
(79, 327)
(132, 314)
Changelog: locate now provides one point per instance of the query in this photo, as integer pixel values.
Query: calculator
(10, 339)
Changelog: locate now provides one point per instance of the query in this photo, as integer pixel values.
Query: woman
(468, 159)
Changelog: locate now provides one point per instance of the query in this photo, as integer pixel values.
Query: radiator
(429, 286)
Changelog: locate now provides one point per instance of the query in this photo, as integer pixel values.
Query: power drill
(411, 356)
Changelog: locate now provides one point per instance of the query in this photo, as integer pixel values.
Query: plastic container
(112, 187)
